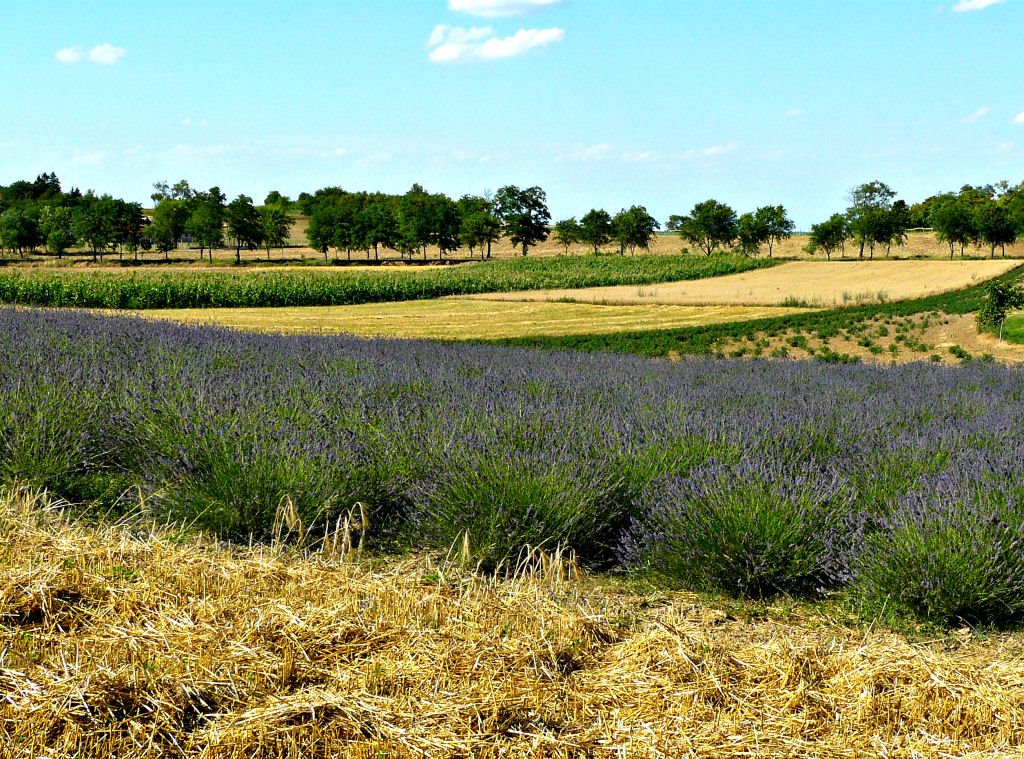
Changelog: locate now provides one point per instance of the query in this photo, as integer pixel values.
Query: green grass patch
(1013, 329)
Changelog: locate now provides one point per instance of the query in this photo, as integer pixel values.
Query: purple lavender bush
(752, 529)
(756, 477)
(953, 549)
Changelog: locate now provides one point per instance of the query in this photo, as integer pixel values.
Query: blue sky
(602, 103)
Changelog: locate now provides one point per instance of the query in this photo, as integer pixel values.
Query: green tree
(93, 223)
(478, 226)
(596, 228)
(415, 225)
(380, 223)
(275, 224)
(710, 225)
(1000, 299)
(243, 222)
(830, 236)
(994, 226)
(634, 228)
(445, 224)
(128, 224)
(900, 222)
(751, 233)
(566, 232)
(953, 222)
(168, 225)
(18, 231)
(869, 215)
(275, 198)
(206, 220)
(774, 224)
(56, 224)
(524, 215)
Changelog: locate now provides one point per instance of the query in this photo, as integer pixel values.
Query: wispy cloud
(793, 113)
(716, 150)
(976, 116)
(455, 43)
(106, 54)
(1019, 118)
(71, 54)
(499, 8)
(639, 156)
(974, 5)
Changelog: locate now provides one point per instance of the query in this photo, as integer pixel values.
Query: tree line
(38, 214)
(989, 215)
(413, 222)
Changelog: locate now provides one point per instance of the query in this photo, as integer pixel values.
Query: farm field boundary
(317, 287)
(817, 284)
(705, 340)
(459, 318)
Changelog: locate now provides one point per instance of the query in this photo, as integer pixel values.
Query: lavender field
(900, 487)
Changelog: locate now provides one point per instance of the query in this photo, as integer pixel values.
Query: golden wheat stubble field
(459, 318)
(781, 290)
(134, 641)
(809, 283)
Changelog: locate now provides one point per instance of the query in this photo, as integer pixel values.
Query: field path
(809, 283)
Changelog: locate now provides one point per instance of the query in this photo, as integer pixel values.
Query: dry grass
(134, 642)
(810, 283)
(936, 337)
(465, 319)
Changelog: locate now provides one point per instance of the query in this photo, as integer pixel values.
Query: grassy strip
(703, 340)
(223, 289)
(1013, 329)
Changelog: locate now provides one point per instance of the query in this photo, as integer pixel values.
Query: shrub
(749, 529)
(952, 552)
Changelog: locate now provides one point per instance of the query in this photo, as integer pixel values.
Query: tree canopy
(710, 225)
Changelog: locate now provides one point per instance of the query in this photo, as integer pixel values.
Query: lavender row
(906, 483)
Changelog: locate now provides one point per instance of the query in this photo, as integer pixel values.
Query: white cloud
(187, 121)
(639, 156)
(974, 5)
(71, 54)
(713, 150)
(498, 8)
(335, 153)
(976, 116)
(106, 54)
(1019, 118)
(520, 42)
(794, 113)
(456, 43)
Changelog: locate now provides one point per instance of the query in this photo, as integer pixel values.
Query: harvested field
(804, 283)
(465, 319)
(137, 642)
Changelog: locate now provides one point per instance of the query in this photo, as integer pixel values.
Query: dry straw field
(131, 642)
(810, 283)
(460, 318)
